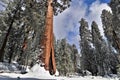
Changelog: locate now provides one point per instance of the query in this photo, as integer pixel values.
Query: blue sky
(89, 2)
(66, 24)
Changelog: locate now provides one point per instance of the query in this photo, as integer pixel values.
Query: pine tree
(64, 54)
(97, 40)
(101, 51)
(116, 23)
(107, 24)
(12, 15)
(24, 28)
(75, 57)
(88, 62)
(108, 30)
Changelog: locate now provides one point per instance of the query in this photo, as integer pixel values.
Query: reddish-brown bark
(24, 46)
(48, 57)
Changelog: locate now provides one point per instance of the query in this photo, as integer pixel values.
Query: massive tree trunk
(48, 55)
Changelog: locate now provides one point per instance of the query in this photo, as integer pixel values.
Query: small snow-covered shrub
(6, 67)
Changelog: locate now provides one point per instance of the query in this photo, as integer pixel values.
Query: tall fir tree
(116, 23)
(101, 51)
(65, 57)
(87, 62)
(108, 30)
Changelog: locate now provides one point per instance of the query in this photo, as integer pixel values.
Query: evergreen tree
(114, 4)
(65, 57)
(88, 62)
(11, 16)
(74, 57)
(107, 25)
(101, 51)
(108, 30)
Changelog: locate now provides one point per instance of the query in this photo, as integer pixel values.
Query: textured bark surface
(48, 55)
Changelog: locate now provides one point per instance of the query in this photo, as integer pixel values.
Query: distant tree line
(67, 57)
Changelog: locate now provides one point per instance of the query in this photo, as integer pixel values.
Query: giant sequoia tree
(48, 52)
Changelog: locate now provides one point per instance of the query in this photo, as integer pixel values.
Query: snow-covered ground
(38, 73)
(32, 76)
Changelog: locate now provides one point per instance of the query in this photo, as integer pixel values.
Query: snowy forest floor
(32, 76)
(38, 73)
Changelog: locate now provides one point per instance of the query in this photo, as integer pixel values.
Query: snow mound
(39, 70)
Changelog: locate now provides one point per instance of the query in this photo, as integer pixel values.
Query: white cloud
(95, 13)
(64, 22)
(68, 20)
